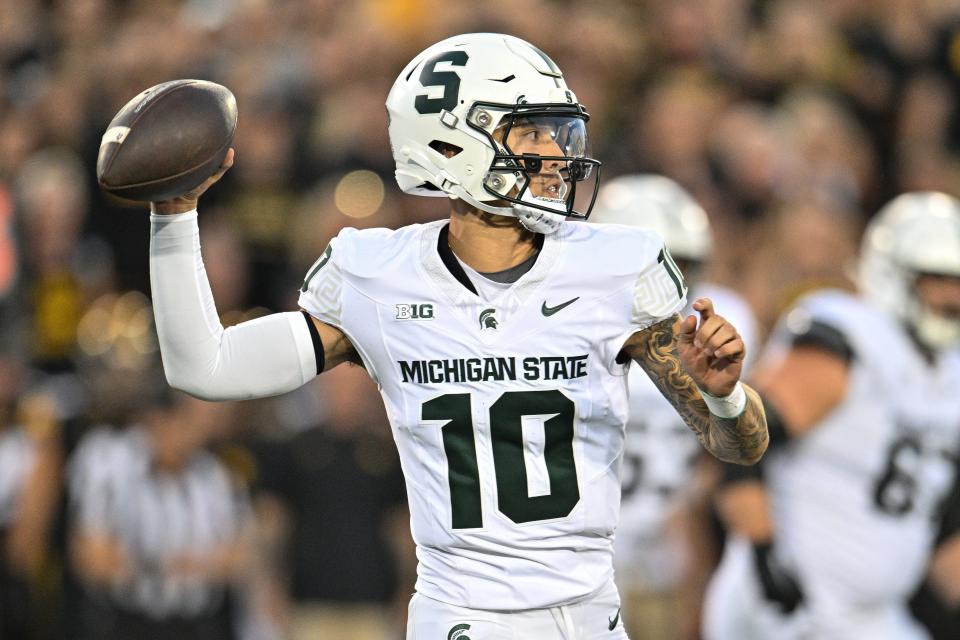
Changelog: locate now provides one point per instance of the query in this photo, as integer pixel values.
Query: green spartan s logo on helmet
(459, 632)
(487, 321)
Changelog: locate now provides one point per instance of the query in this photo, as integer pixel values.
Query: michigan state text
(496, 369)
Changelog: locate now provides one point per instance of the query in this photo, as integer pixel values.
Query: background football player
(861, 393)
(500, 341)
(660, 451)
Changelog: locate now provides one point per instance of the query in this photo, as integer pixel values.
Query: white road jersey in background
(855, 500)
(658, 464)
(509, 412)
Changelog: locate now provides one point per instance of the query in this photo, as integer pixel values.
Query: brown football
(167, 140)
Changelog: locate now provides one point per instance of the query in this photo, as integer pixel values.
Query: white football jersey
(658, 464)
(855, 501)
(508, 412)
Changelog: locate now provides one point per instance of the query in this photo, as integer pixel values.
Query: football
(167, 140)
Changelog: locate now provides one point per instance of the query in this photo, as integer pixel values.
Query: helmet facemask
(541, 169)
(915, 237)
(931, 325)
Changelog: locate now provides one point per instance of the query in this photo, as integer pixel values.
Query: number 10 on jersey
(508, 444)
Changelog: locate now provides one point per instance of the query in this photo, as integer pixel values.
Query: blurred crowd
(121, 503)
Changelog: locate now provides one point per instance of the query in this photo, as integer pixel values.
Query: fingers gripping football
(188, 201)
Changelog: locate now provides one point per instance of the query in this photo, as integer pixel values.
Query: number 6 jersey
(508, 410)
(857, 499)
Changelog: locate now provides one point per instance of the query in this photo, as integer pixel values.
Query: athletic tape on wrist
(729, 406)
(173, 217)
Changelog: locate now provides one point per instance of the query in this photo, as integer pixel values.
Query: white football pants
(597, 617)
(735, 609)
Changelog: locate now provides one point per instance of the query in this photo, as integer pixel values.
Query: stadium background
(791, 121)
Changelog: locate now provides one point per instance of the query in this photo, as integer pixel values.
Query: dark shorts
(14, 605)
(104, 622)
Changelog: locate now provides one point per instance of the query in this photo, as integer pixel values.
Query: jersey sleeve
(321, 294)
(344, 287)
(659, 291)
(647, 286)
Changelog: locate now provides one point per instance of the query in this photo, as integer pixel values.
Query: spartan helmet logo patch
(459, 632)
(487, 319)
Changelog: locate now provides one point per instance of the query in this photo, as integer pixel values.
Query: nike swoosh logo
(549, 311)
(613, 621)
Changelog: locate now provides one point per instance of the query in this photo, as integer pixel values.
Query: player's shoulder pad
(844, 310)
(369, 253)
(613, 249)
(840, 322)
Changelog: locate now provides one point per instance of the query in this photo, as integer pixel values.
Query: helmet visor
(543, 161)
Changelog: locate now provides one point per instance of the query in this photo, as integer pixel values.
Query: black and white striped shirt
(17, 457)
(157, 517)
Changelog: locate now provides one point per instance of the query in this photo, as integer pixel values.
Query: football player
(660, 451)
(861, 396)
(500, 340)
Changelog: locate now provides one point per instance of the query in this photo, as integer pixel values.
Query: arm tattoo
(741, 440)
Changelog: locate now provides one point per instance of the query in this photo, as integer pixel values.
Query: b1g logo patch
(414, 312)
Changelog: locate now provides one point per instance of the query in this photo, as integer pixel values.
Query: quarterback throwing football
(500, 340)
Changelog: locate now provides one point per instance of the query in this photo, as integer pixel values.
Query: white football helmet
(915, 233)
(451, 111)
(658, 203)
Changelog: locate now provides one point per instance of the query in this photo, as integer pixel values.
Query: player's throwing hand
(188, 201)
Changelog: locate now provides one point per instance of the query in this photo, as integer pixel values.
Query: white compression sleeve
(262, 357)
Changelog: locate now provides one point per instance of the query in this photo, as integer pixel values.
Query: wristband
(173, 217)
(728, 406)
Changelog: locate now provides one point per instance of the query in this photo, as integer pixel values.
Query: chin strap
(538, 221)
(934, 330)
(533, 219)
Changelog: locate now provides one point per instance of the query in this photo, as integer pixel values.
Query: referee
(30, 479)
(156, 527)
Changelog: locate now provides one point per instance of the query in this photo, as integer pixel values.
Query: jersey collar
(453, 265)
(442, 273)
(450, 261)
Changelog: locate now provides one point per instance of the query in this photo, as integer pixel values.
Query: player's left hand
(711, 351)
